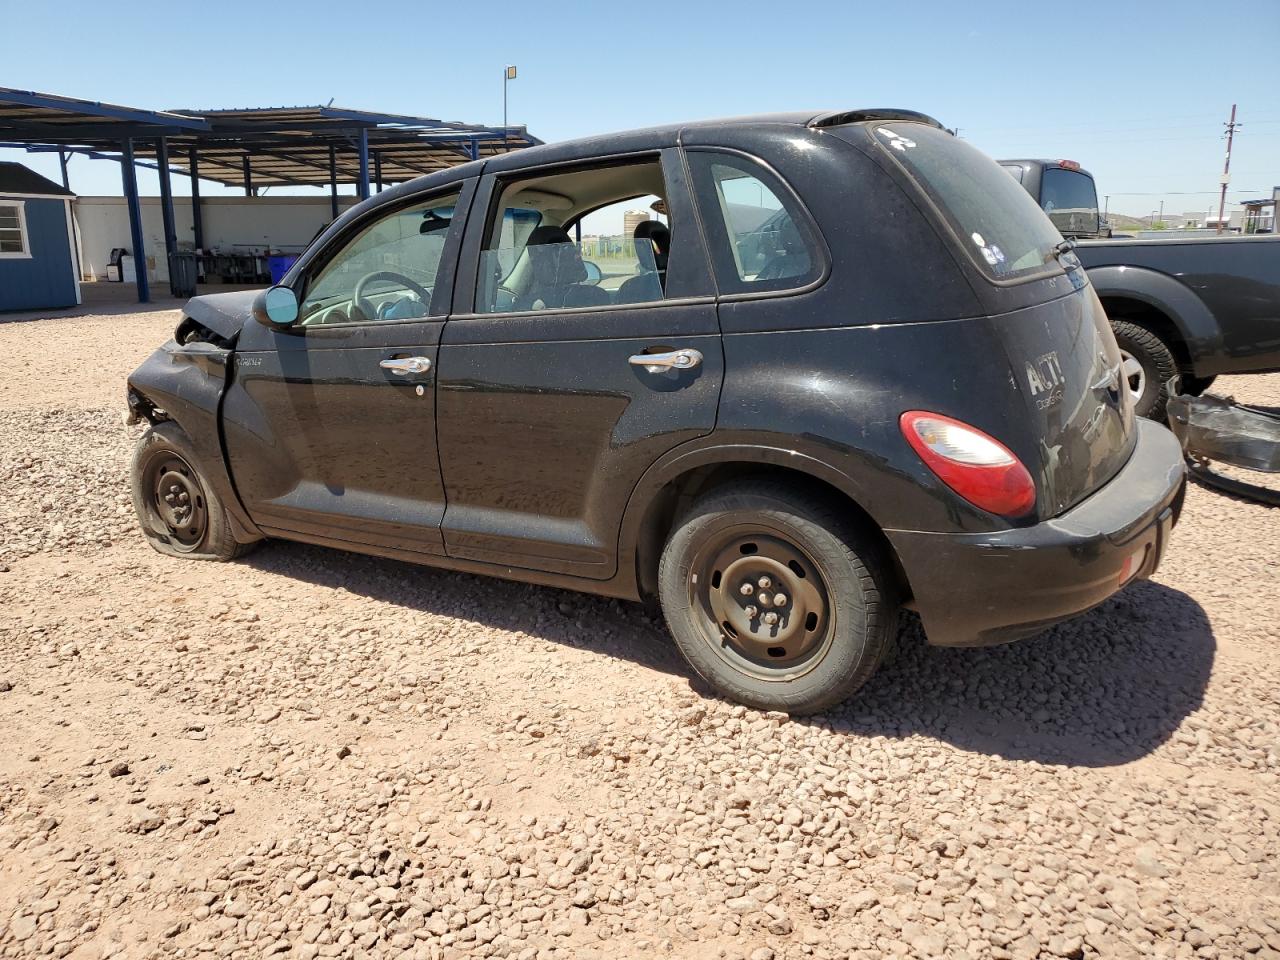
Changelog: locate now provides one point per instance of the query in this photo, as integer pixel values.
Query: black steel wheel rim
(177, 501)
(763, 604)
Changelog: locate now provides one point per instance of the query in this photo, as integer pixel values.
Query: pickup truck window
(1070, 199)
(1002, 228)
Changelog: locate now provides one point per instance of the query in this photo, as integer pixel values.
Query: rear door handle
(403, 366)
(685, 359)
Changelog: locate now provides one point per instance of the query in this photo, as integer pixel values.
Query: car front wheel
(179, 513)
(776, 599)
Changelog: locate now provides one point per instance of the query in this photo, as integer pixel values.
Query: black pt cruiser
(785, 373)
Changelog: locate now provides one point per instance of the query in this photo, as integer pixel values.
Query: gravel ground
(314, 754)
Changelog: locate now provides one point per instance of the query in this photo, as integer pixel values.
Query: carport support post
(475, 149)
(248, 177)
(377, 170)
(130, 177)
(166, 205)
(333, 182)
(197, 222)
(62, 162)
(362, 187)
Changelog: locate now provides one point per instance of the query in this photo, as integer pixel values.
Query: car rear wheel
(775, 599)
(1147, 364)
(179, 514)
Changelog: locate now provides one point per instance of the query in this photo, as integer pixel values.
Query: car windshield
(1003, 228)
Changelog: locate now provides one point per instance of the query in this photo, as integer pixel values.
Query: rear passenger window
(759, 241)
(596, 238)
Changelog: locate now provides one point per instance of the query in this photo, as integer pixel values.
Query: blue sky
(1137, 92)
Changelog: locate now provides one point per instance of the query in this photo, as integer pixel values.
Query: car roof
(644, 138)
(1057, 163)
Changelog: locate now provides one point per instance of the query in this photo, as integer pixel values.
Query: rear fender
(185, 383)
(1199, 329)
(637, 521)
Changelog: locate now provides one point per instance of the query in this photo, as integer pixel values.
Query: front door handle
(403, 366)
(685, 359)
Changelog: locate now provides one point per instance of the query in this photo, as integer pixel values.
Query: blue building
(38, 261)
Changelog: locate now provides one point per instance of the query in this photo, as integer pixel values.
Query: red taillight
(974, 465)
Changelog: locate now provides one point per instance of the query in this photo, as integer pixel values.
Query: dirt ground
(309, 753)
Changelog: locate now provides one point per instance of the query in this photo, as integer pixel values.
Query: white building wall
(231, 224)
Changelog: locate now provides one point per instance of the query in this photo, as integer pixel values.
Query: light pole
(508, 74)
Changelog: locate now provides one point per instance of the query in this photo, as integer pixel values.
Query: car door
(330, 423)
(552, 401)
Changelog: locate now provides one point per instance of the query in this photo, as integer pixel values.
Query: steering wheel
(358, 302)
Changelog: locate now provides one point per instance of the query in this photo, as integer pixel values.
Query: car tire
(194, 523)
(1148, 367)
(829, 589)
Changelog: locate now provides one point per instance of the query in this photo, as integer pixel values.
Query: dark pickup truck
(1194, 307)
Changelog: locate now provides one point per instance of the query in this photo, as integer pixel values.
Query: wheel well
(675, 498)
(1152, 319)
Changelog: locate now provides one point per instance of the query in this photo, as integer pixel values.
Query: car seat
(650, 284)
(558, 273)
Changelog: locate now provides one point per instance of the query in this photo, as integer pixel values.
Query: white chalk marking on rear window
(896, 140)
(977, 239)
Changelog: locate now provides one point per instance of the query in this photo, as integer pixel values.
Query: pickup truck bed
(1215, 302)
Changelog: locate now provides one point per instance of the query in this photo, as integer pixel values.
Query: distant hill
(1120, 221)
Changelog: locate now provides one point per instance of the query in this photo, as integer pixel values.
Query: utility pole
(1226, 167)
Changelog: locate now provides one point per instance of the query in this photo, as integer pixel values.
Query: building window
(13, 229)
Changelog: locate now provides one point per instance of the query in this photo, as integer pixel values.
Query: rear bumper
(978, 589)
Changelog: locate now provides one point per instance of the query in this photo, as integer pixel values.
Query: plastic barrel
(279, 265)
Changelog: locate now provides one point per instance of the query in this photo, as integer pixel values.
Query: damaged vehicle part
(1212, 428)
(182, 492)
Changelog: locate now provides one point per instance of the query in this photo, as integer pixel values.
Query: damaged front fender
(184, 381)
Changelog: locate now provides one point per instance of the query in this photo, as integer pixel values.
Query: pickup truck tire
(775, 598)
(1157, 367)
(179, 514)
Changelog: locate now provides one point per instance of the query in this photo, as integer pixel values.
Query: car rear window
(997, 222)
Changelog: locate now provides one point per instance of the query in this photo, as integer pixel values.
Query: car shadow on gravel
(1104, 689)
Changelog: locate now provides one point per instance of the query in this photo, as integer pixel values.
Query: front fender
(1195, 322)
(185, 383)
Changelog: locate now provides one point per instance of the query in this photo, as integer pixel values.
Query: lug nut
(770, 618)
(751, 612)
(746, 589)
(779, 599)
(765, 599)
(765, 583)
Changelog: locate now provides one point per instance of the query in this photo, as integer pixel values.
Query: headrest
(656, 232)
(556, 259)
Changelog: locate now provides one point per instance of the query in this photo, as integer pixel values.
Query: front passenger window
(387, 272)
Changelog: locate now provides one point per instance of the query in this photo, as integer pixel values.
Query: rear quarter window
(1001, 227)
(760, 238)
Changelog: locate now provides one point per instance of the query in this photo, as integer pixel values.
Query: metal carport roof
(251, 147)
